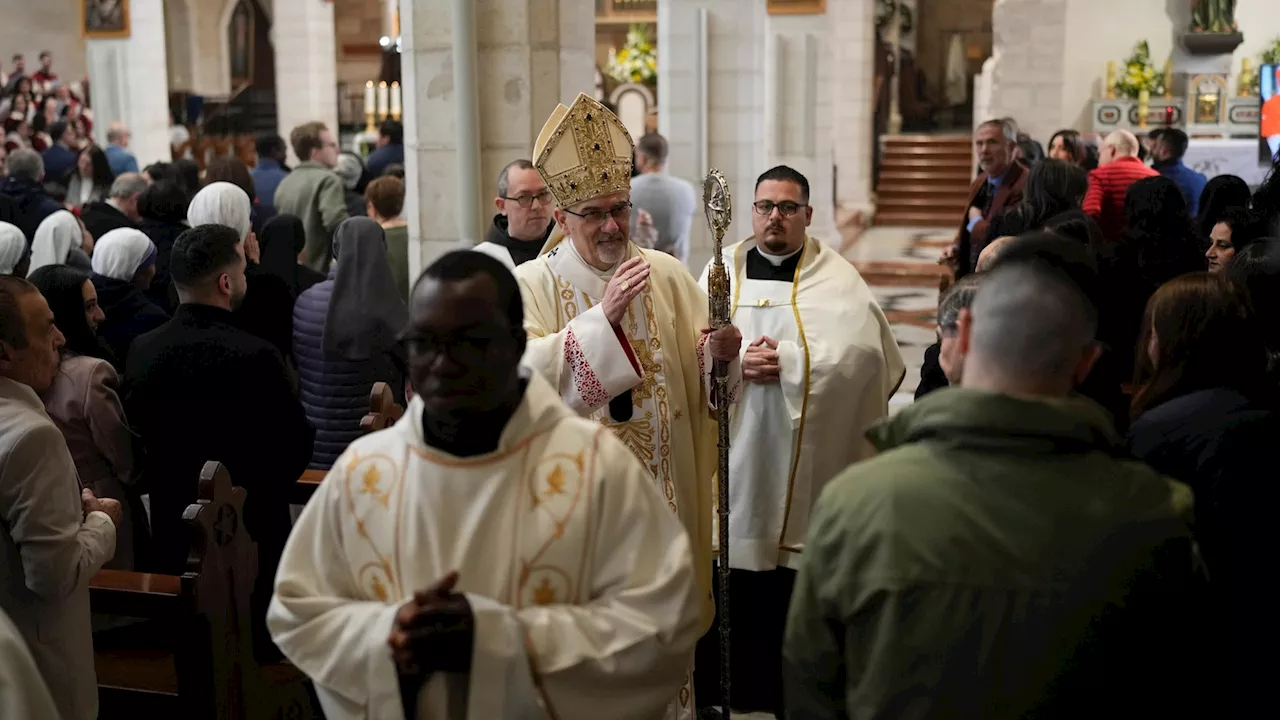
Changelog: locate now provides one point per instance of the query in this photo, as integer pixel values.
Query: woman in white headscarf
(267, 309)
(59, 240)
(13, 251)
(124, 261)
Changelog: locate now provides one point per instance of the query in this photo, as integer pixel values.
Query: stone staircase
(924, 180)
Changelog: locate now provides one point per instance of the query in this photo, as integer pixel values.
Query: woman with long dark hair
(1067, 146)
(91, 180)
(1203, 416)
(1220, 195)
(1160, 242)
(1234, 230)
(1053, 187)
(83, 401)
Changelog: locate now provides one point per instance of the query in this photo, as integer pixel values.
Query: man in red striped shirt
(1119, 167)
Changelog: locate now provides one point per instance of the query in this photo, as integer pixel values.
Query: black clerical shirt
(759, 267)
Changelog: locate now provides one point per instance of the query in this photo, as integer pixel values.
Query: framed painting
(240, 43)
(797, 7)
(104, 18)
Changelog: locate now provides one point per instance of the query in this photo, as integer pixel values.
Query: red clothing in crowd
(1104, 200)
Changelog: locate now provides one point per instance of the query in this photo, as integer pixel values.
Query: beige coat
(84, 405)
(48, 550)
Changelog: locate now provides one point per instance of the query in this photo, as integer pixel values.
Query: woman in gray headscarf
(344, 337)
(14, 257)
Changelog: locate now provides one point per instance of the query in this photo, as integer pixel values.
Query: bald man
(1119, 167)
(998, 528)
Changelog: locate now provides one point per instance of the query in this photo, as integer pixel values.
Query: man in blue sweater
(1167, 148)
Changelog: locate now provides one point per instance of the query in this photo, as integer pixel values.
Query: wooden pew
(383, 413)
(191, 655)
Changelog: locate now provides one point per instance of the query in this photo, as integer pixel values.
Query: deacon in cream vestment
(618, 330)
(820, 364)
(580, 580)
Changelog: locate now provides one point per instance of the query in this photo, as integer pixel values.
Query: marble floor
(900, 265)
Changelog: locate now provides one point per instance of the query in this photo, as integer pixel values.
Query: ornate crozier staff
(719, 209)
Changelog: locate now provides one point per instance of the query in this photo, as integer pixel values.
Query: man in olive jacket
(313, 192)
(998, 560)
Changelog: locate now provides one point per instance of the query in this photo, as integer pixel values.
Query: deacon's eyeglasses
(766, 207)
(620, 212)
(526, 201)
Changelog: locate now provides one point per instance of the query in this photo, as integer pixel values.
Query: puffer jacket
(334, 391)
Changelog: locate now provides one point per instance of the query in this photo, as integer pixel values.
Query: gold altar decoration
(583, 152)
(1248, 81)
(1144, 107)
(1168, 78)
(1111, 79)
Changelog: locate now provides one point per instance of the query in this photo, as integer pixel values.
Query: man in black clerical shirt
(198, 389)
(523, 222)
(820, 364)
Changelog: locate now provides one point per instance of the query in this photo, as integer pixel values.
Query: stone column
(853, 88)
(711, 102)
(128, 84)
(306, 65)
(1028, 75)
(529, 56)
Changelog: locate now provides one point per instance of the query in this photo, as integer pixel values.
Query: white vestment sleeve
(321, 622)
(791, 378)
(624, 653)
(588, 361)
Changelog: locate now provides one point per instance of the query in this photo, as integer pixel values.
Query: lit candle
(368, 98)
(382, 100)
(395, 99)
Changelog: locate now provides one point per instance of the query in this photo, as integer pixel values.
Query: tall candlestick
(368, 98)
(395, 101)
(382, 100)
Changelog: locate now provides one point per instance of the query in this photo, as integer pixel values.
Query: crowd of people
(1077, 523)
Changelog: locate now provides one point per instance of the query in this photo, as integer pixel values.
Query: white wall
(1102, 30)
(30, 26)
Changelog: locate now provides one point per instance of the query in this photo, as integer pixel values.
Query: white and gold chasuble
(659, 353)
(838, 366)
(581, 582)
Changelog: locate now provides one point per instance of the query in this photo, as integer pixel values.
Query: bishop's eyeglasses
(620, 212)
(787, 208)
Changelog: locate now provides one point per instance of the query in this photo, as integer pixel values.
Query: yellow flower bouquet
(637, 61)
(1139, 74)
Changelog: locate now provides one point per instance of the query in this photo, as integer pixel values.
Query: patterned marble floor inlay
(900, 265)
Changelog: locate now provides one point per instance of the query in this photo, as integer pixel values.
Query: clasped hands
(434, 632)
(760, 362)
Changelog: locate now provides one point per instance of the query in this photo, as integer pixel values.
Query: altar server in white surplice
(820, 365)
(492, 555)
(621, 332)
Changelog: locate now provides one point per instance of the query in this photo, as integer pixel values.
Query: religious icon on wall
(105, 18)
(797, 7)
(1209, 100)
(240, 42)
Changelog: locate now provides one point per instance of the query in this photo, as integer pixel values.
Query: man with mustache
(620, 332)
(999, 186)
(820, 369)
(523, 222)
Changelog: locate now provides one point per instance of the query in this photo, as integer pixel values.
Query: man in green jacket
(998, 560)
(313, 192)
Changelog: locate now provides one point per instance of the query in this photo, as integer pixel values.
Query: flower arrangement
(1139, 74)
(1271, 56)
(637, 61)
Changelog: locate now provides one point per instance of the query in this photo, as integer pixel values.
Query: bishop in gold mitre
(622, 332)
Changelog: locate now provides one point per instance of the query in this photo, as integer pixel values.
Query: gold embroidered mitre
(583, 152)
